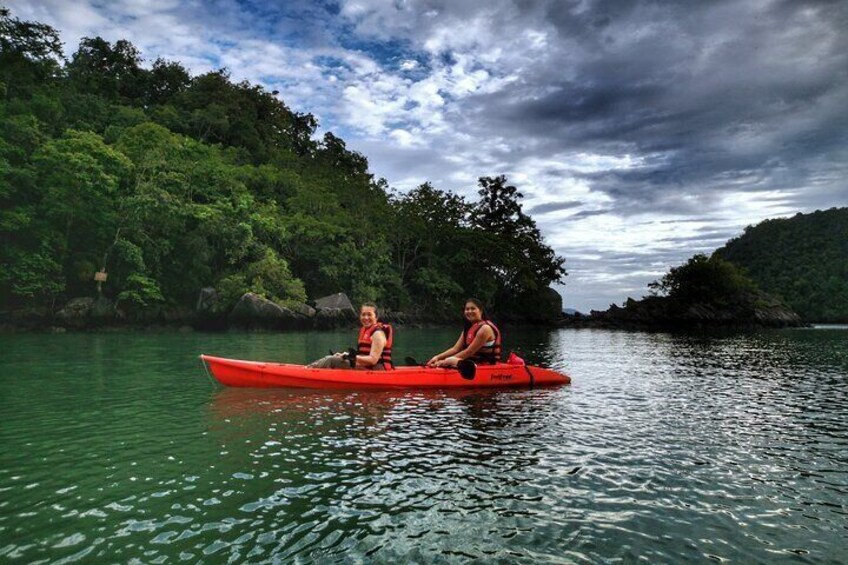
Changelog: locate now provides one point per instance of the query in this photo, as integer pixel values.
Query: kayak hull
(256, 374)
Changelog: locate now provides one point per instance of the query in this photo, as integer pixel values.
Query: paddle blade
(410, 362)
(351, 357)
(467, 369)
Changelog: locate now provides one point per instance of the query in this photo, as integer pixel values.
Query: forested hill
(171, 182)
(803, 259)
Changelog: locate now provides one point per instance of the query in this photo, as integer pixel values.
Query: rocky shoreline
(251, 312)
(748, 311)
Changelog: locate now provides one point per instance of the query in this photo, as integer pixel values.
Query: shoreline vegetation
(135, 197)
(125, 190)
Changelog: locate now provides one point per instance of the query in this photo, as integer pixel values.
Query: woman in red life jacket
(480, 341)
(373, 348)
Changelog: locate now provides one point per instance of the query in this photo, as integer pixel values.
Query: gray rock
(207, 301)
(76, 312)
(393, 317)
(304, 310)
(253, 311)
(338, 301)
(103, 310)
(329, 318)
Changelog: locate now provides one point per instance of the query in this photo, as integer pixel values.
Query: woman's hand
(433, 362)
(448, 362)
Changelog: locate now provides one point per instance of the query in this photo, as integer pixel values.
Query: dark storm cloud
(712, 238)
(554, 207)
(716, 104)
(714, 96)
(588, 214)
(627, 124)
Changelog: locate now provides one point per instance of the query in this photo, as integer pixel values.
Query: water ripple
(665, 449)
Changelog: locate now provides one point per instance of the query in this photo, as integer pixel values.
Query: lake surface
(666, 448)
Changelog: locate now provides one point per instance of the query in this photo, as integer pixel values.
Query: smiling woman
(480, 341)
(374, 346)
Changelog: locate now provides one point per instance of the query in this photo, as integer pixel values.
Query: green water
(118, 448)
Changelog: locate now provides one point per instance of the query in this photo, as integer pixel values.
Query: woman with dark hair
(480, 340)
(373, 347)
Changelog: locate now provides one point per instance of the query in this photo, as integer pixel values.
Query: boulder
(76, 312)
(103, 310)
(330, 318)
(392, 317)
(209, 312)
(338, 301)
(253, 311)
(207, 301)
(304, 310)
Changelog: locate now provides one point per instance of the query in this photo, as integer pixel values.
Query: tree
(113, 72)
(30, 54)
(703, 280)
(510, 244)
(425, 224)
(81, 175)
(165, 81)
(803, 259)
(174, 182)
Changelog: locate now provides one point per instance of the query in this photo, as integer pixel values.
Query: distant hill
(803, 260)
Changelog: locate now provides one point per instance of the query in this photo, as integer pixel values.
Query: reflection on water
(665, 448)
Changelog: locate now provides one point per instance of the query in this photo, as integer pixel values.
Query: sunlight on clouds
(748, 207)
(632, 138)
(403, 137)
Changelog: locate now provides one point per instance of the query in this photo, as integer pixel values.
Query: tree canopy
(802, 259)
(172, 182)
(703, 280)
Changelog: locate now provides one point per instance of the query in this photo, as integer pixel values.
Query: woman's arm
(457, 347)
(378, 343)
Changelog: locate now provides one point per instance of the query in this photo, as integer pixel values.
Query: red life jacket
(364, 342)
(486, 354)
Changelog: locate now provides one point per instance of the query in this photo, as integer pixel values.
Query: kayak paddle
(466, 367)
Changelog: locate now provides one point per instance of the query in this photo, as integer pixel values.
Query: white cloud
(539, 91)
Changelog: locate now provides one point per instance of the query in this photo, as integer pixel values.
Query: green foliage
(803, 259)
(173, 183)
(110, 71)
(30, 53)
(269, 277)
(35, 275)
(140, 290)
(513, 248)
(703, 280)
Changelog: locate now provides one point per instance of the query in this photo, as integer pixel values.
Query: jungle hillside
(166, 183)
(802, 260)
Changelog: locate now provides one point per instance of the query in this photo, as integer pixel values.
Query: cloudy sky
(639, 132)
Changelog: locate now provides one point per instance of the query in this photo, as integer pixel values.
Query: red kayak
(255, 374)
